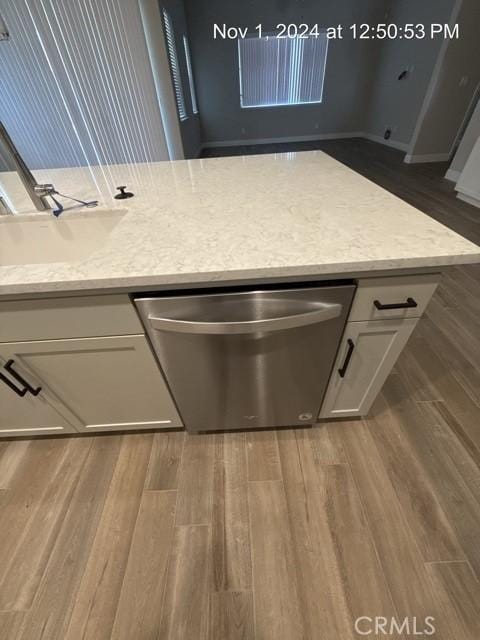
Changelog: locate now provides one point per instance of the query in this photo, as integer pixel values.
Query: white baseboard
(452, 175)
(395, 144)
(429, 157)
(309, 138)
(469, 199)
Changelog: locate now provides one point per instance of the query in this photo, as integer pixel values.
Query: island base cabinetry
(84, 364)
(367, 353)
(85, 384)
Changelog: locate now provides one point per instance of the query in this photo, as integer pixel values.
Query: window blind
(174, 66)
(281, 71)
(76, 86)
(190, 74)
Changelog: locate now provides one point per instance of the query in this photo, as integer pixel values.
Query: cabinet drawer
(403, 297)
(57, 318)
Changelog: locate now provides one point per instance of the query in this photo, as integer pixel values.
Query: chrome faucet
(36, 192)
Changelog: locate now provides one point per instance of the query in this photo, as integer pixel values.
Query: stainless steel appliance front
(248, 359)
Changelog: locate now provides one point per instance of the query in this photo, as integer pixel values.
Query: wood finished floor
(279, 535)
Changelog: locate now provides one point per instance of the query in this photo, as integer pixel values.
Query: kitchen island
(68, 328)
(225, 220)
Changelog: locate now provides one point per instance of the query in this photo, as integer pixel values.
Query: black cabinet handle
(343, 370)
(27, 387)
(9, 383)
(409, 304)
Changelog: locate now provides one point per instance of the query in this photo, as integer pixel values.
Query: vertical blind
(174, 66)
(281, 71)
(76, 86)
(190, 74)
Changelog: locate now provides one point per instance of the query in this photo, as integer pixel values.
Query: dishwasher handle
(322, 314)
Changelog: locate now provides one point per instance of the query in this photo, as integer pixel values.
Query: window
(190, 75)
(174, 66)
(281, 71)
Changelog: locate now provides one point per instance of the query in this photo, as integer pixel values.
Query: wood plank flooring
(276, 535)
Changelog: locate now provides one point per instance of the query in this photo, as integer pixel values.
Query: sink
(41, 238)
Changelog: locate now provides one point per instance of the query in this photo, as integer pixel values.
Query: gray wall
(361, 90)
(84, 93)
(396, 104)
(450, 98)
(215, 62)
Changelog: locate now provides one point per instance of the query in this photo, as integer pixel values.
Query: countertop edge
(243, 276)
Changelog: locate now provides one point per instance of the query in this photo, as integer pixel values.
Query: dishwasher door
(248, 359)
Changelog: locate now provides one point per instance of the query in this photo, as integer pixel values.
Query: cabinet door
(27, 415)
(375, 347)
(105, 384)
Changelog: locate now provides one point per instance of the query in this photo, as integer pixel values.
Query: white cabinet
(383, 315)
(366, 356)
(24, 414)
(97, 384)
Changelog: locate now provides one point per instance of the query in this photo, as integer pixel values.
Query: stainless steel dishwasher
(245, 359)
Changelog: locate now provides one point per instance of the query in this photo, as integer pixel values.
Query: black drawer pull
(343, 370)
(409, 304)
(9, 383)
(27, 387)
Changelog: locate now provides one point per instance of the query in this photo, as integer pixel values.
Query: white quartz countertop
(236, 219)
